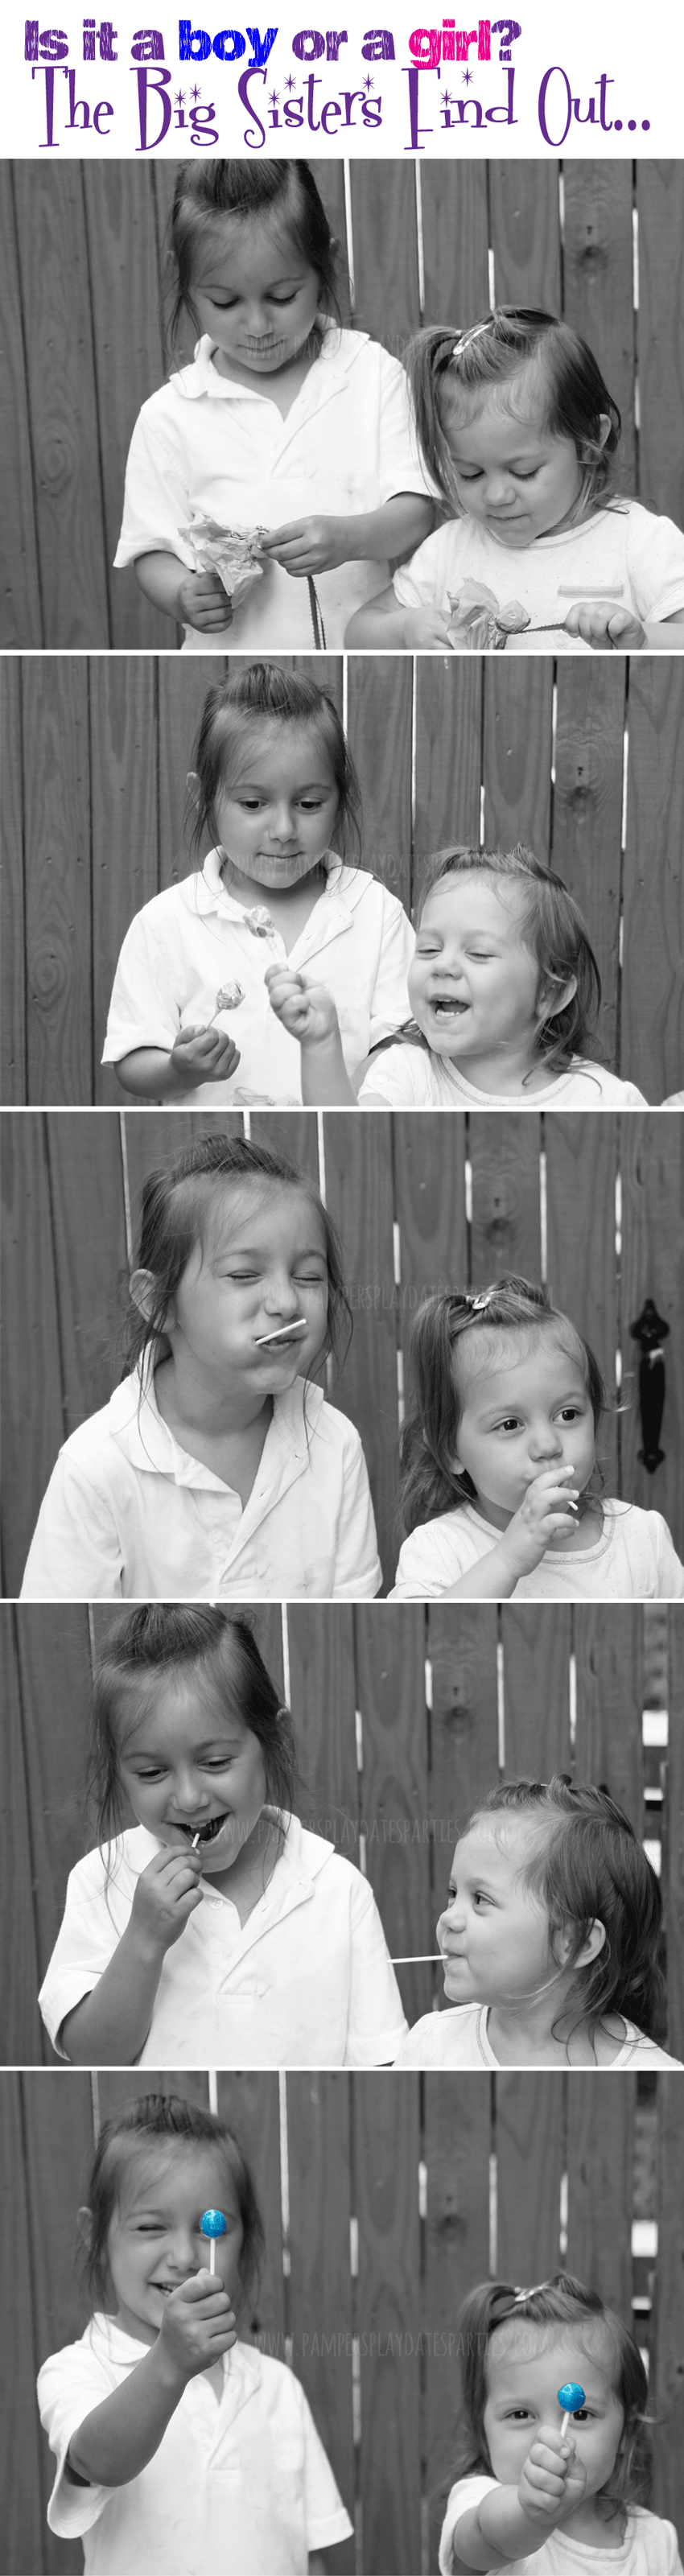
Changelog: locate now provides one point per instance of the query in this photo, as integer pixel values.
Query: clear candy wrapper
(478, 624)
(228, 998)
(231, 552)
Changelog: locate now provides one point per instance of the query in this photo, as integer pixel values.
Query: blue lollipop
(213, 2224)
(570, 2396)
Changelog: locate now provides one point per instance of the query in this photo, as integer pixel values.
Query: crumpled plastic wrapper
(478, 624)
(228, 998)
(231, 552)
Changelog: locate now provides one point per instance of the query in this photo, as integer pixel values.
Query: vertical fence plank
(322, 1699)
(396, 1797)
(609, 1662)
(430, 1215)
(13, 1072)
(319, 2164)
(32, 1368)
(457, 2139)
(20, 2026)
(54, 1677)
(455, 242)
(22, 606)
(517, 751)
(27, 2541)
(673, 1843)
(660, 335)
(653, 1266)
(536, 1696)
(587, 811)
(383, 203)
(524, 216)
(125, 774)
(250, 2105)
(462, 1646)
(667, 2389)
(88, 1233)
(505, 1232)
(359, 1195)
(55, 294)
(600, 2158)
(529, 2131)
(653, 975)
(58, 891)
(128, 361)
(448, 754)
(581, 1162)
(598, 283)
(380, 697)
(386, 2196)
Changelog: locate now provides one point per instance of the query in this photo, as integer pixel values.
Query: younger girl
(274, 784)
(529, 2497)
(217, 1470)
(218, 1933)
(287, 434)
(551, 1938)
(498, 1457)
(180, 2449)
(519, 434)
(504, 990)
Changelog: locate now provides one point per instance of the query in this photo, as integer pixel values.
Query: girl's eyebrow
(209, 1744)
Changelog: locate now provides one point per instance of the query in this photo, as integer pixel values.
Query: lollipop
(284, 1333)
(213, 2224)
(228, 998)
(570, 2396)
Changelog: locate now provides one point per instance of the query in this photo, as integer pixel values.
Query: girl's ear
(85, 2226)
(554, 998)
(143, 1288)
(595, 1941)
(605, 426)
(193, 786)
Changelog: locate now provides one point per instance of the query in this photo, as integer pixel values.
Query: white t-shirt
(633, 1560)
(458, 2037)
(196, 937)
(411, 1077)
(623, 558)
(306, 1981)
(130, 1515)
(345, 447)
(649, 2547)
(237, 2487)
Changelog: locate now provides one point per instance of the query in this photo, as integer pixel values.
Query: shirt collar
(139, 1430)
(202, 377)
(213, 894)
(242, 2363)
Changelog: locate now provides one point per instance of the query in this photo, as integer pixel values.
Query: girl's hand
(545, 1510)
(167, 1892)
(551, 2479)
(203, 602)
(604, 627)
(426, 627)
(310, 545)
(197, 2326)
(203, 1055)
(306, 1010)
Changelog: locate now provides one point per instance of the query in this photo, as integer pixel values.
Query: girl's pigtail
(427, 360)
(429, 1484)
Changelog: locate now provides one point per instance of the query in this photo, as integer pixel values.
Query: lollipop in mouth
(285, 1333)
(206, 1833)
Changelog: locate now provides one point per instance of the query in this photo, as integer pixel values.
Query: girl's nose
(546, 1441)
(182, 2251)
(281, 1296)
(281, 822)
(189, 1790)
(498, 486)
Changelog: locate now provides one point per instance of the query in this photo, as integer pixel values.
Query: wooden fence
(385, 2199)
(593, 1205)
(404, 1717)
(82, 340)
(590, 771)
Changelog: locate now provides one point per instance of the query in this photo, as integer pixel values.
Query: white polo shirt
(633, 1560)
(649, 2547)
(196, 938)
(458, 2038)
(411, 1077)
(129, 1515)
(306, 1981)
(240, 2485)
(203, 444)
(622, 558)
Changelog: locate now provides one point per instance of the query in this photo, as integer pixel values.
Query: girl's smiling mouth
(206, 1833)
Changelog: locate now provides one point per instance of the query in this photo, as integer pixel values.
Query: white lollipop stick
(283, 1332)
